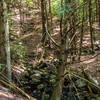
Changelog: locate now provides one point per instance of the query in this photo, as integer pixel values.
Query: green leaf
(2, 65)
(80, 83)
(40, 86)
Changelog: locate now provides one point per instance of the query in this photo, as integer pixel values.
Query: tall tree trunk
(47, 21)
(43, 20)
(99, 11)
(50, 16)
(61, 20)
(7, 45)
(58, 88)
(57, 92)
(20, 14)
(90, 24)
(81, 35)
(4, 38)
(96, 5)
(62, 56)
(2, 35)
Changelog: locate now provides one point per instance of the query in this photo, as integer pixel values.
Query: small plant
(18, 50)
(18, 53)
(2, 65)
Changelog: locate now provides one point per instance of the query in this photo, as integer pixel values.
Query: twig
(51, 37)
(13, 86)
(89, 58)
(85, 80)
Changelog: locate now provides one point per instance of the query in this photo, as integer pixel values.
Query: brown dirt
(6, 95)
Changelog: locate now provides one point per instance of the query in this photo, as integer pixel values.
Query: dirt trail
(33, 39)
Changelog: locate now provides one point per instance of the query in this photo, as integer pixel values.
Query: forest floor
(90, 62)
(32, 41)
(5, 94)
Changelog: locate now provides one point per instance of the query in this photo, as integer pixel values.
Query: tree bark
(81, 36)
(56, 95)
(7, 45)
(99, 11)
(90, 24)
(96, 5)
(50, 16)
(62, 56)
(2, 35)
(61, 20)
(4, 38)
(43, 21)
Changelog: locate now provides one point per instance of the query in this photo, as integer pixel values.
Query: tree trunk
(50, 13)
(20, 14)
(61, 20)
(2, 35)
(56, 95)
(90, 24)
(43, 20)
(62, 56)
(99, 11)
(7, 45)
(81, 36)
(4, 38)
(96, 5)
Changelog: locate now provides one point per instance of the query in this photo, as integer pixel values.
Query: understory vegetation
(50, 49)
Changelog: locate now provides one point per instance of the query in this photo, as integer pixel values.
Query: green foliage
(18, 53)
(29, 3)
(42, 77)
(58, 10)
(18, 50)
(80, 83)
(95, 37)
(39, 77)
(2, 65)
(55, 6)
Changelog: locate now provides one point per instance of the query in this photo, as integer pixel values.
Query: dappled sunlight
(89, 61)
(17, 69)
(54, 50)
(16, 18)
(5, 95)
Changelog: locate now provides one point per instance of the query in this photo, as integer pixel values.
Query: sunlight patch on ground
(5, 94)
(18, 69)
(89, 61)
(8, 96)
(16, 18)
